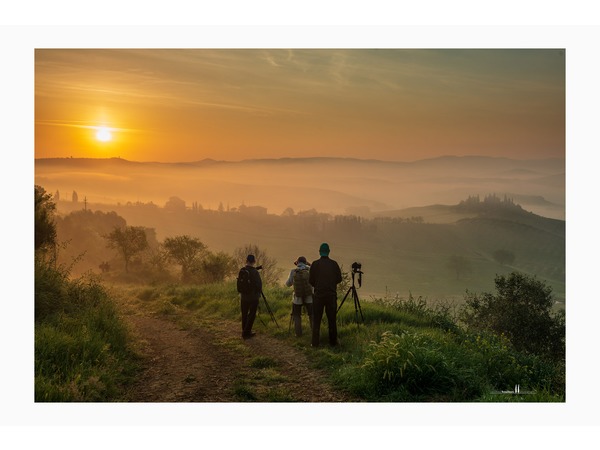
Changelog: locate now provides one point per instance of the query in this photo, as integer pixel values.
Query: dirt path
(194, 364)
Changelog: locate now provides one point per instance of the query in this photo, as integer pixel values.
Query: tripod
(352, 290)
(269, 310)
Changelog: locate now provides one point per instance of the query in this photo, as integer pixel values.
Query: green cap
(324, 249)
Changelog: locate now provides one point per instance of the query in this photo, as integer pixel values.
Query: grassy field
(404, 351)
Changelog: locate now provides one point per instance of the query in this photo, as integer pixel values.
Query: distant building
(175, 204)
(75, 197)
(253, 210)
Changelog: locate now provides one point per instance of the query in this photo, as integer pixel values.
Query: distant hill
(333, 185)
(492, 207)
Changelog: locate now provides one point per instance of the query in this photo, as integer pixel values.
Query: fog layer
(331, 185)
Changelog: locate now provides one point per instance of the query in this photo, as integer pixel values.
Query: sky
(179, 105)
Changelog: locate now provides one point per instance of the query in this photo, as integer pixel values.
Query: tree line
(127, 252)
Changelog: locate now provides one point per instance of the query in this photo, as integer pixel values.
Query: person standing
(303, 293)
(250, 287)
(325, 274)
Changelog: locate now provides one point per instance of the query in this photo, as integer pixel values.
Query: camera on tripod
(356, 269)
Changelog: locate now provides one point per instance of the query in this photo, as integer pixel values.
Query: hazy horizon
(329, 185)
(275, 158)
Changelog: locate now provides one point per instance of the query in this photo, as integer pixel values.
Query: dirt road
(194, 363)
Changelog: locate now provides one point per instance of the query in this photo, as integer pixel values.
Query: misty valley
(463, 249)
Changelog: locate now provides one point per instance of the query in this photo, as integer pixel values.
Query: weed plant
(81, 344)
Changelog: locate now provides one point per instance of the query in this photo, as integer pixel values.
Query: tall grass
(81, 344)
(403, 351)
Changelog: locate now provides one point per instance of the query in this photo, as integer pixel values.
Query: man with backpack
(249, 285)
(325, 275)
(303, 293)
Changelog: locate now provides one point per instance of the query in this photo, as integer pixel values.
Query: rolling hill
(331, 185)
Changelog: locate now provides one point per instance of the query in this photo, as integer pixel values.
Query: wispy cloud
(85, 125)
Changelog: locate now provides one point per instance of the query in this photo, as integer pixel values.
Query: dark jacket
(325, 274)
(256, 281)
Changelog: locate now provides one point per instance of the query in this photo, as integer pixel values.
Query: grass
(81, 344)
(404, 351)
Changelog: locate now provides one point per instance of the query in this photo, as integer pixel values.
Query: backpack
(302, 287)
(244, 282)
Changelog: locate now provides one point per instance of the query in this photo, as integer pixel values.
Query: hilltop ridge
(333, 185)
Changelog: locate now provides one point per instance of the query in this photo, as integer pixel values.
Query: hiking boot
(248, 336)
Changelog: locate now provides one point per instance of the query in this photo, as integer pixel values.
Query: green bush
(412, 364)
(522, 311)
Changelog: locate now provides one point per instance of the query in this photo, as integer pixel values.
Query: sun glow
(103, 134)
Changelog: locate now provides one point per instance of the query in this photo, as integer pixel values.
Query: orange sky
(186, 105)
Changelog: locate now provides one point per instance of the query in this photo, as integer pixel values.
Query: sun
(103, 134)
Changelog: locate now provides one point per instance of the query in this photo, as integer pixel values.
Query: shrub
(410, 363)
(81, 351)
(521, 310)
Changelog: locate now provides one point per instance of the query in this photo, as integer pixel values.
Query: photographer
(250, 288)
(303, 294)
(325, 275)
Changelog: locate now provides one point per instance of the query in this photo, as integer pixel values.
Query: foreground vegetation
(81, 344)
(403, 351)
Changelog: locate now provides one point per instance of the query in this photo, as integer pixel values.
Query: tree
(216, 267)
(521, 310)
(288, 212)
(185, 251)
(128, 241)
(271, 274)
(45, 227)
(459, 265)
(85, 233)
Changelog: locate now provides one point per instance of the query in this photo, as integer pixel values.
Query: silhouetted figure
(325, 275)
(250, 288)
